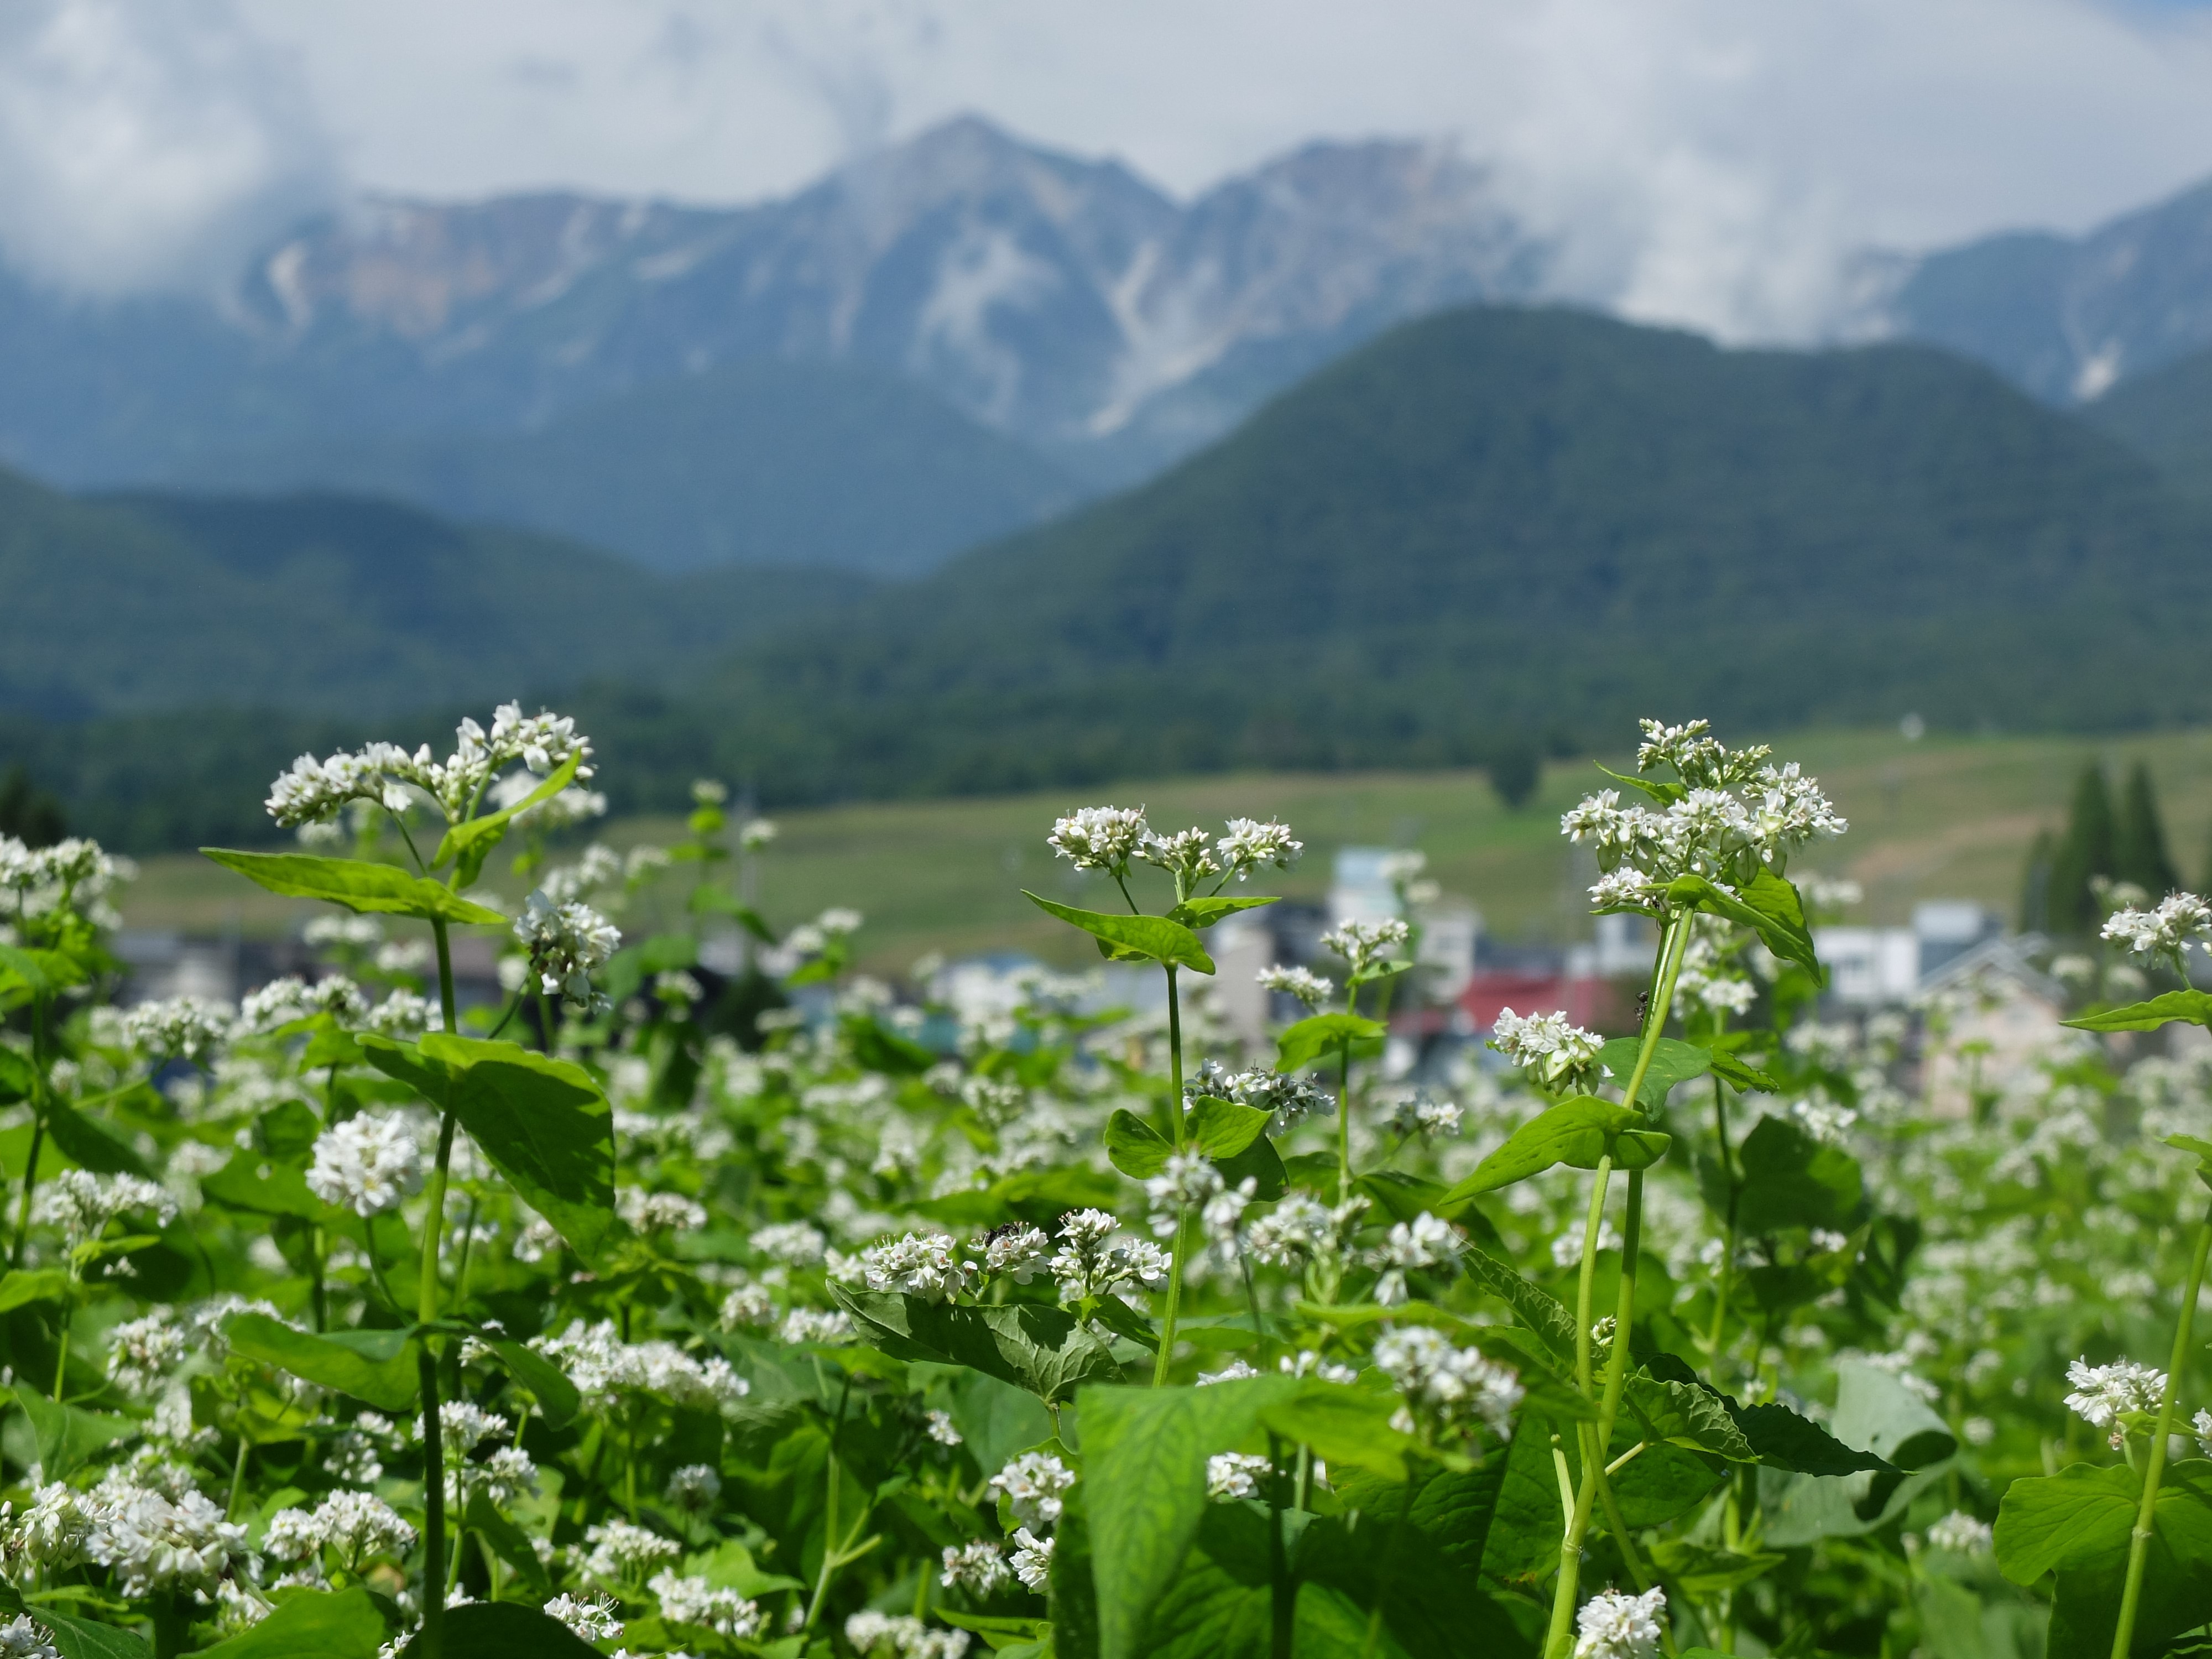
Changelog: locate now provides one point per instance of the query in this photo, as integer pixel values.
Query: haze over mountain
(1491, 526)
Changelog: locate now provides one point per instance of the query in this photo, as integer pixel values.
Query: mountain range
(1494, 526)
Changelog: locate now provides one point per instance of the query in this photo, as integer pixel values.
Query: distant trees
(1516, 766)
(2100, 844)
(29, 814)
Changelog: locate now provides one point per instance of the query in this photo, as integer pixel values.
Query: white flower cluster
(648, 1213)
(1100, 837)
(357, 1525)
(1735, 817)
(1550, 1047)
(72, 875)
(82, 1204)
(566, 943)
(1015, 1251)
(152, 1539)
(1300, 1228)
(1033, 1559)
(179, 1027)
(1308, 986)
(1423, 1114)
(1188, 1181)
(570, 807)
(284, 1001)
(1108, 837)
(1363, 944)
(2163, 933)
(901, 1633)
(1614, 1625)
(383, 773)
(621, 1549)
(591, 1618)
(1445, 1387)
(1289, 1097)
(693, 1488)
(918, 1264)
(369, 1162)
(604, 1367)
(1425, 1241)
(139, 1351)
(693, 1601)
(1095, 1257)
(2104, 1393)
(1961, 1533)
(978, 1566)
(1032, 1486)
(24, 1638)
(1233, 1475)
(793, 1243)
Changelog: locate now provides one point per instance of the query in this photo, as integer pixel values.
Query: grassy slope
(1946, 817)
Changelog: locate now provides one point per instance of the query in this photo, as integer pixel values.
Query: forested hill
(1542, 522)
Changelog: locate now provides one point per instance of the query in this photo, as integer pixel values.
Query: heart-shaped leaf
(1577, 1133)
(2193, 1006)
(1308, 1041)
(1150, 938)
(375, 1366)
(357, 885)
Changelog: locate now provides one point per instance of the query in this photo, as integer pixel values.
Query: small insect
(1642, 1008)
(1004, 1230)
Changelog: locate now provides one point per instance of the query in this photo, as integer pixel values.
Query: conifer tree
(2085, 851)
(2139, 852)
(2035, 884)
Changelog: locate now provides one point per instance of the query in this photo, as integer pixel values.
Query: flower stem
(37, 1127)
(1166, 1354)
(1343, 1122)
(426, 1304)
(2154, 1465)
(1282, 1606)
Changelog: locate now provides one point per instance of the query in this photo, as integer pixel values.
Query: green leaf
(1222, 1128)
(1705, 1570)
(1766, 904)
(1147, 939)
(1144, 1485)
(357, 885)
(81, 1638)
(558, 1402)
(18, 1078)
(2194, 1006)
(1683, 1414)
(1216, 1605)
(1322, 1035)
(1044, 1350)
(1671, 1062)
(1041, 1196)
(544, 1124)
(628, 969)
(90, 1143)
(1784, 1440)
(1875, 1411)
(317, 1625)
(1201, 913)
(1737, 1075)
(713, 901)
(251, 1181)
(66, 1434)
(505, 1630)
(1577, 1133)
(1136, 1149)
(1344, 1425)
(1791, 1180)
(25, 1285)
(1262, 1164)
(1523, 1540)
(472, 842)
(42, 973)
(1537, 1307)
(374, 1366)
(512, 1544)
(1452, 1508)
(2078, 1523)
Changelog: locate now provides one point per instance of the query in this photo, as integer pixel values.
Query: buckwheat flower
(1251, 843)
(1032, 1484)
(1614, 1625)
(24, 1638)
(152, 1541)
(82, 1204)
(755, 833)
(312, 790)
(1567, 1248)
(504, 1478)
(917, 1266)
(1289, 1097)
(1422, 1115)
(1100, 837)
(748, 1306)
(648, 1213)
(359, 1525)
(693, 1601)
(1233, 1475)
(827, 1326)
(1625, 890)
(2201, 1424)
(184, 1028)
(1221, 1218)
(1307, 986)
(2163, 933)
(593, 1620)
(566, 943)
(1187, 1180)
(977, 1567)
(284, 1001)
(1235, 1371)
(869, 1632)
(464, 1425)
(1447, 1387)
(942, 1430)
(537, 1241)
(1364, 944)
(693, 1488)
(791, 1243)
(1549, 1047)
(1307, 1363)
(837, 921)
(1032, 1558)
(403, 1014)
(291, 1535)
(140, 1351)
(367, 1164)
(1423, 1242)
(1094, 1258)
(1018, 1253)
(2103, 1394)
(52, 1534)
(620, 1549)
(1187, 855)
(1961, 1533)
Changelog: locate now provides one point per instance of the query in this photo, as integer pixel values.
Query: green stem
(238, 1475)
(1282, 1604)
(1372, 1644)
(426, 1303)
(1166, 1355)
(315, 1264)
(830, 1550)
(37, 1127)
(1727, 1243)
(61, 1360)
(1343, 1122)
(1587, 1275)
(2146, 1514)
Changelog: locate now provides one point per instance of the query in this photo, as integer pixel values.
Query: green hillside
(323, 604)
(760, 463)
(1501, 521)
(2167, 417)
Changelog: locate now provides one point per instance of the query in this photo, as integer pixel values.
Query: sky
(1713, 162)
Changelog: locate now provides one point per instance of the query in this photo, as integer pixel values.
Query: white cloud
(1711, 160)
(146, 145)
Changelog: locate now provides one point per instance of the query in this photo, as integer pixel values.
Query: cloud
(147, 146)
